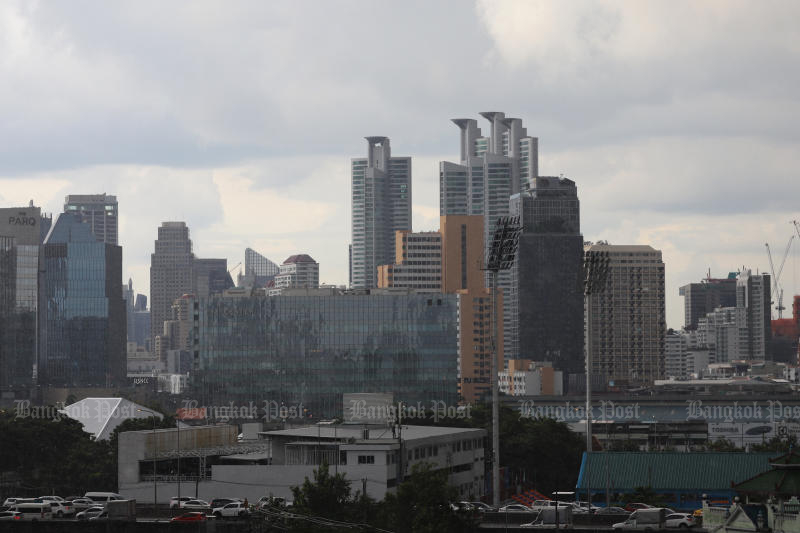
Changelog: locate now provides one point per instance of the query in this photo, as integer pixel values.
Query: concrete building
(489, 171)
(701, 298)
(100, 211)
(210, 276)
(627, 315)
(418, 262)
(753, 297)
(299, 271)
(683, 358)
(530, 378)
(171, 273)
(381, 205)
(450, 261)
(546, 308)
(374, 459)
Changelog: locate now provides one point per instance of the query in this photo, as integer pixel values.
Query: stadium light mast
(501, 255)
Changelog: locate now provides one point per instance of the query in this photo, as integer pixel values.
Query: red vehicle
(631, 507)
(190, 517)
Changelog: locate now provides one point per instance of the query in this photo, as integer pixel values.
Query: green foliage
(776, 444)
(722, 445)
(623, 446)
(422, 504)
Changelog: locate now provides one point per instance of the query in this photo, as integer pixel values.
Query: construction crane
(776, 288)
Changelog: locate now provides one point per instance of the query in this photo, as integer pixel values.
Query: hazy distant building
(299, 271)
(381, 205)
(489, 171)
(171, 273)
(137, 316)
(546, 292)
(753, 297)
(702, 298)
(82, 326)
(627, 316)
(418, 262)
(258, 270)
(210, 276)
(100, 211)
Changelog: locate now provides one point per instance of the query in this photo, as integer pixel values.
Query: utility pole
(502, 253)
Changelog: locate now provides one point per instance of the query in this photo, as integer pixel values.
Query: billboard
(22, 223)
(743, 433)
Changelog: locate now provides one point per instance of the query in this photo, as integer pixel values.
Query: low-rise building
(214, 464)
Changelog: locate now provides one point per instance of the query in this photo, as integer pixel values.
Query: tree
(722, 445)
(776, 444)
(422, 504)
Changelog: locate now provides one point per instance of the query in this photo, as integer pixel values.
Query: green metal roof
(671, 470)
(783, 478)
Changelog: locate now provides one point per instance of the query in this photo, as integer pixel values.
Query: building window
(366, 459)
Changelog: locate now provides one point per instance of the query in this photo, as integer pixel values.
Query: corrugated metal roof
(671, 470)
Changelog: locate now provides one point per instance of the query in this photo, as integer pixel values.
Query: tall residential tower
(381, 205)
(100, 211)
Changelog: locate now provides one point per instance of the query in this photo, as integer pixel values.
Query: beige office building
(628, 317)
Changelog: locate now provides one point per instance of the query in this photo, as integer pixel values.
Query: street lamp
(155, 483)
(595, 272)
(501, 256)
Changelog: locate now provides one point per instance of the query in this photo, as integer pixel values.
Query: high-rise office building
(171, 273)
(450, 261)
(546, 294)
(83, 316)
(210, 276)
(490, 170)
(753, 297)
(626, 317)
(701, 298)
(299, 271)
(381, 205)
(22, 231)
(100, 211)
(138, 317)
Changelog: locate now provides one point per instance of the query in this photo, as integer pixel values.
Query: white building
(371, 458)
(297, 272)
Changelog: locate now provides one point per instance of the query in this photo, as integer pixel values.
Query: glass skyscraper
(381, 205)
(83, 317)
(546, 296)
(310, 350)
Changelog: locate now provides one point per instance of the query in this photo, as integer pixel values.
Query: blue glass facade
(310, 350)
(84, 331)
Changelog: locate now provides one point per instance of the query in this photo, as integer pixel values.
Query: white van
(102, 498)
(33, 512)
(644, 520)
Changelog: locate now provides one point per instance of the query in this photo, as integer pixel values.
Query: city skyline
(670, 146)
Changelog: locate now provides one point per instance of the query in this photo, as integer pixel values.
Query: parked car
(231, 510)
(612, 510)
(101, 516)
(81, 504)
(10, 516)
(52, 498)
(10, 502)
(681, 520)
(271, 501)
(33, 512)
(631, 507)
(194, 516)
(90, 512)
(175, 502)
(462, 506)
(515, 508)
(482, 507)
(222, 502)
(102, 498)
(196, 505)
(61, 509)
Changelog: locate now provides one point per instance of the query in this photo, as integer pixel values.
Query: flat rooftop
(375, 432)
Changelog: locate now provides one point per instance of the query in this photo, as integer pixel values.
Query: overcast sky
(678, 120)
